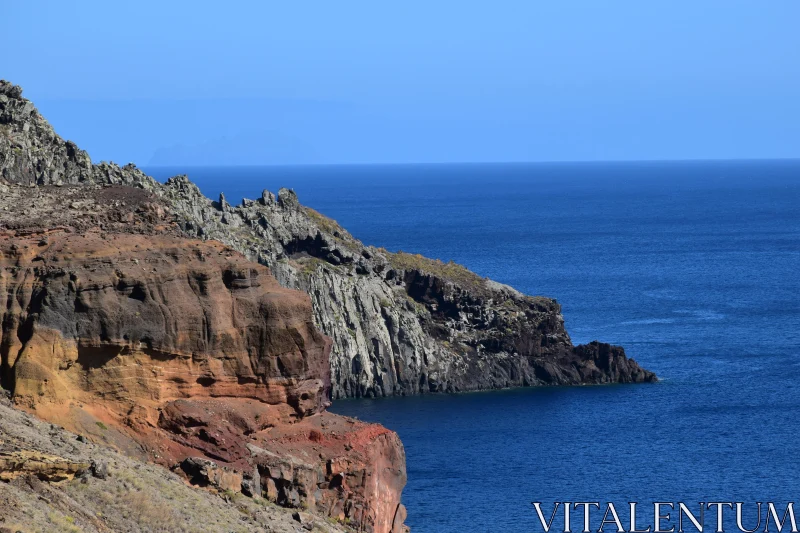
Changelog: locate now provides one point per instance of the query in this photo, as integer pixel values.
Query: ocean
(693, 267)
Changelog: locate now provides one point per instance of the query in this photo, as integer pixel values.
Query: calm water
(693, 267)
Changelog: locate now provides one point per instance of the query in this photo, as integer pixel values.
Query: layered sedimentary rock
(20, 463)
(399, 323)
(142, 320)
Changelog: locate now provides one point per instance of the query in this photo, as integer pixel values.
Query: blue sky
(407, 82)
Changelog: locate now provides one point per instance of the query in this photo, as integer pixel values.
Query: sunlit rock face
(144, 320)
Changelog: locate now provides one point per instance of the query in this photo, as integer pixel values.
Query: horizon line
(444, 163)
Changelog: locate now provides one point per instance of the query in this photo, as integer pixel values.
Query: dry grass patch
(450, 271)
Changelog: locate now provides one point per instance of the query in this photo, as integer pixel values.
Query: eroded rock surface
(167, 317)
(401, 323)
(54, 480)
(19, 463)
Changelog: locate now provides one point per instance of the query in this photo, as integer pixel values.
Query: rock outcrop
(32, 153)
(54, 480)
(140, 321)
(19, 463)
(399, 323)
(170, 348)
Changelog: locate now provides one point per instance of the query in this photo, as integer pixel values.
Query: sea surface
(694, 267)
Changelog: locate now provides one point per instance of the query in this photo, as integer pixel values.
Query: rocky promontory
(399, 323)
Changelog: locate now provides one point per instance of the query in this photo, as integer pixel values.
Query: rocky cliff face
(32, 153)
(399, 323)
(175, 350)
(166, 317)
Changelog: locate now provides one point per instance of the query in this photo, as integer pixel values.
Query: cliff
(399, 323)
(167, 317)
(174, 350)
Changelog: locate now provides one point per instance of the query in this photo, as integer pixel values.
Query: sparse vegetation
(148, 512)
(326, 224)
(134, 497)
(450, 271)
(330, 226)
(340, 521)
(309, 264)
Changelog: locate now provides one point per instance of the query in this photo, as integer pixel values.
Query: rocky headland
(399, 323)
(210, 338)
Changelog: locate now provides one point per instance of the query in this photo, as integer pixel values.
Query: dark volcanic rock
(31, 153)
(399, 323)
(99, 469)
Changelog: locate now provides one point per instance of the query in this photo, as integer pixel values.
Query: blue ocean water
(694, 267)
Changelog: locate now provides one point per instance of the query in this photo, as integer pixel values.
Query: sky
(268, 82)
